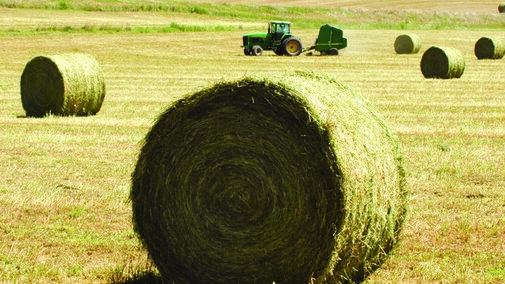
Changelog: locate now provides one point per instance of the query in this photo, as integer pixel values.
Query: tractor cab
(278, 29)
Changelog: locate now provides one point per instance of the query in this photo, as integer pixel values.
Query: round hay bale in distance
(501, 7)
(488, 48)
(442, 63)
(66, 84)
(259, 180)
(407, 44)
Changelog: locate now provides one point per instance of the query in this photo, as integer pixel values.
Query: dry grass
(64, 182)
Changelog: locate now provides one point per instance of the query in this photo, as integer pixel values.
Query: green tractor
(279, 39)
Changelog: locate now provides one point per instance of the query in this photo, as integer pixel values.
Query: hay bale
(279, 179)
(407, 44)
(488, 48)
(501, 7)
(66, 84)
(442, 63)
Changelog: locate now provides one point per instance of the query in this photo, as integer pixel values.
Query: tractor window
(286, 29)
(283, 28)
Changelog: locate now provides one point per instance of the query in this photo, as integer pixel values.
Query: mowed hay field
(65, 181)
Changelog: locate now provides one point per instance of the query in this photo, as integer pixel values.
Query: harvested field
(65, 181)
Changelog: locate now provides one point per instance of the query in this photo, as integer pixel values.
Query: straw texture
(407, 44)
(442, 63)
(287, 178)
(488, 48)
(66, 84)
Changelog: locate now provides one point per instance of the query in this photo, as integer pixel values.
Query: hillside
(205, 15)
(469, 6)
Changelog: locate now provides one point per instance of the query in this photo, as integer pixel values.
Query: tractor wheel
(247, 51)
(292, 46)
(257, 50)
(333, 51)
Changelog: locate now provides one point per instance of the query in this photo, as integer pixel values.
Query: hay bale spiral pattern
(260, 180)
(488, 48)
(66, 84)
(442, 63)
(407, 44)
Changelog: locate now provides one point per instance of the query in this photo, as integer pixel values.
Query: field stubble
(64, 181)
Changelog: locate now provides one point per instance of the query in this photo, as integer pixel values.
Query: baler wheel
(333, 51)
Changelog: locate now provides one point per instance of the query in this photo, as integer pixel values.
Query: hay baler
(330, 40)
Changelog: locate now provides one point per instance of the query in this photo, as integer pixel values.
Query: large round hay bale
(66, 84)
(501, 7)
(488, 48)
(279, 179)
(442, 63)
(407, 44)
